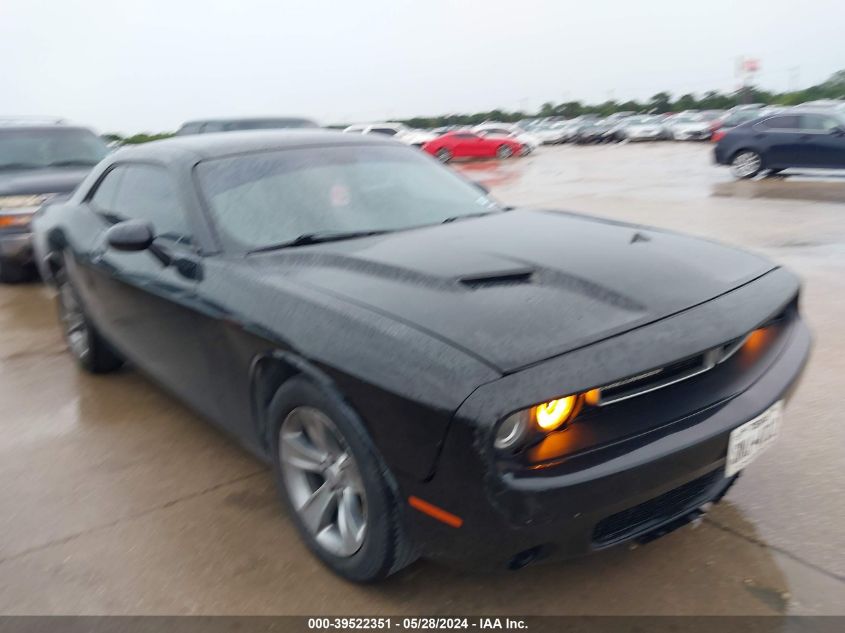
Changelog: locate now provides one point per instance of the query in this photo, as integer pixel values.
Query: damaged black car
(428, 372)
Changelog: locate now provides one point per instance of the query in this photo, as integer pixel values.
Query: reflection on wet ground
(116, 499)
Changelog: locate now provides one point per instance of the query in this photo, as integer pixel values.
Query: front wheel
(86, 344)
(443, 155)
(339, 492)
(504, 151)
(746, 164)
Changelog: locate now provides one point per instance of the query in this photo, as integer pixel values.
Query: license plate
(752, 438)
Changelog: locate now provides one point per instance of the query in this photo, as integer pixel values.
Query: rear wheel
(443, 155)
(504, 151)
(339, 492)
(746, 164)
(86, 344)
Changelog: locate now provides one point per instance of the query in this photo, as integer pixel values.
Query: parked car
(688, 126)
(573, 126)
(597, 131)
(428, 373)
(399, 131)
(794, 138)
(468, 144)
(551, 134)
(643, 127)
(730, 120)
(528, 140)
(37, 163)
(208, 126)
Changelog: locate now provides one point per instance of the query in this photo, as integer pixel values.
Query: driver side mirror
(131, 236)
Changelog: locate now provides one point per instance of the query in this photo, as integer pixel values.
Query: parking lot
(115, 499)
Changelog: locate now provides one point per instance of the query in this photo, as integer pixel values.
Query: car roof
(44, 128)
(218, 145)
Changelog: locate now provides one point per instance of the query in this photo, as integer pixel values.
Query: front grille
(655, 511)
(668, 374)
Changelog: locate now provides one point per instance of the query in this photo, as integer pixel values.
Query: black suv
(37, 163)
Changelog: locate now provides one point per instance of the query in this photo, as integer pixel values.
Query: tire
(12, 272)
(91, 351)
(339, 467)
(504, 151)
(746, 164)
(443, 155)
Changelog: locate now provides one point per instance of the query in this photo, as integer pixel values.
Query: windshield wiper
(455, 218)
(317, 238)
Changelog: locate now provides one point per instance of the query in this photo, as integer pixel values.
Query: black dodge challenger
(430, 373)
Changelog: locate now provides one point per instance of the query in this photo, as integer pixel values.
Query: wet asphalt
(116, 499)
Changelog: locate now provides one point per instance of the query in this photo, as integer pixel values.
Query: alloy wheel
(504, 151)
(746, 164)
(73, 321)
(323, 481)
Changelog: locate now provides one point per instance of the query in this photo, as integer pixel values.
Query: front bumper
(16, 247)
(656, 484)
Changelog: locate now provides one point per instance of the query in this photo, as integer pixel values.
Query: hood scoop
(500, 278)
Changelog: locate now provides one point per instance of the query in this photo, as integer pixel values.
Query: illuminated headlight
(20, 202)
(538, 420)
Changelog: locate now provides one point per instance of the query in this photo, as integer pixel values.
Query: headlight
(539, 420)
(511, 431)
(552, 414)
(19, 202)
(12, 220)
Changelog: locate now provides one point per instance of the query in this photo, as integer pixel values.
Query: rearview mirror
(130, 235)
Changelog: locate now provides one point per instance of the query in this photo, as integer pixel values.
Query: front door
(824, 144)
(144, 307)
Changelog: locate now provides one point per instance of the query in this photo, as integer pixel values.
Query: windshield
(263, 199)
(55, 147)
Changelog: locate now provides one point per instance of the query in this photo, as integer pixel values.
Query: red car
(463, 144)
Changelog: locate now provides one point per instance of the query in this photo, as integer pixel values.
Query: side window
(189, 128)
(818, 122)
(786, 122)
(106, 192)
(147, 192)
(212, 126)
(387, 131)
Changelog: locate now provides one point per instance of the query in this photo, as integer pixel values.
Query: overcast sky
(129, 65)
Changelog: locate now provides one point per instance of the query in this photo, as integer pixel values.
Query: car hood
(46, 180)
(519, 287)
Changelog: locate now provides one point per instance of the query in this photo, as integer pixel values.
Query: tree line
(832, 88)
